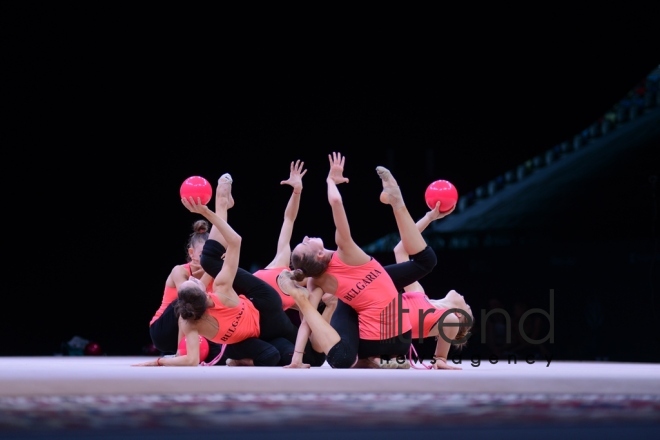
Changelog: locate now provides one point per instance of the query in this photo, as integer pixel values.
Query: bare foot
(239, 362)
(402, 363)
(366, 363)
(391, 194)
(290, 287)
(224, 189)
(378, 364)
(384, 364)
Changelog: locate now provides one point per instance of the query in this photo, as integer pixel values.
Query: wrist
(297, 191)
(158, 362)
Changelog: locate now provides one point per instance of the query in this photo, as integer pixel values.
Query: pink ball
(203, 348)
(441, 191)
(196, 186)
(93, 349)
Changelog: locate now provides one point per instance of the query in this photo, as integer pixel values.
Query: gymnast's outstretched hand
(296, 174)
(439, 363)
(296, 361)
(153, 363)
(336, 173)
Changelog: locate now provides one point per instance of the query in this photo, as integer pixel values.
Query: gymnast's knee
(314, 358)
(340, 356)
(211, 258)
(426, 258)
(269, 357)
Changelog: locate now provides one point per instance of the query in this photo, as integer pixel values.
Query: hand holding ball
(196, 186)
(441, 191)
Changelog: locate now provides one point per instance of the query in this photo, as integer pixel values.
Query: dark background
(114, 109)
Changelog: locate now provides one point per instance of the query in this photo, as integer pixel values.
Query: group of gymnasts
(354, 312)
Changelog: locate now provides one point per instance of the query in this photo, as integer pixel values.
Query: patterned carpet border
(312, 409)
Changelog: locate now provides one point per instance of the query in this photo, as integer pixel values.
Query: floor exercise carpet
(273, 413)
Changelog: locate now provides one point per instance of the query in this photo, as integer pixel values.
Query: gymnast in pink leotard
(241, 323)
(311, 355)
(367, 323)
(448, 320)
(163, 324)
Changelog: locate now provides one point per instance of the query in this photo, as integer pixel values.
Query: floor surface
(108, 398)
